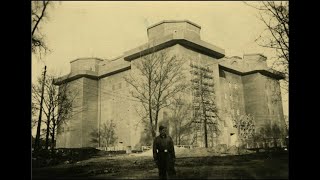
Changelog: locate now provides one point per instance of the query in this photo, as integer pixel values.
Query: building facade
(241, 86)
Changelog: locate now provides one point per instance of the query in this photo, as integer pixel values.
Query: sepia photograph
(160, 89)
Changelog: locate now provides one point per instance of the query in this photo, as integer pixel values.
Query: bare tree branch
(205, 112)
(275, 16)
(156, 80)
(38, 14)
(45, 3)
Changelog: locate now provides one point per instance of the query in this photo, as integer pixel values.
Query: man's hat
(161, 127)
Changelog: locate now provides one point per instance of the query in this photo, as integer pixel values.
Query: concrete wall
(76, 131)
(70, 133)
(273, 101)
(233, 105)
(116, 106)
(90, 64)
(155, 32)
(165, 113)
(199, 59)
(254, 95)
(235, 95)
(176, 27)
(90, 111)
(193, 31)
(263, 100)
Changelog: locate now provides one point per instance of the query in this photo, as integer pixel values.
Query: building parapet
(89, 74)
(172, 39)
(267, 72)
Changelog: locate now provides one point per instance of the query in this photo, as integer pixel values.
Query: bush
(44, 158)
(221, 148)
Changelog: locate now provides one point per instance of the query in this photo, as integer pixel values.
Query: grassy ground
(251, 166)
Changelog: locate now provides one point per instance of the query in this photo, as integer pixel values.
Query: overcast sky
(107, 29)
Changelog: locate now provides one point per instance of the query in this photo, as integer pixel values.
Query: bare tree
(63, 109)
(106, 134)
(38, 14)
(94, 135)
(36, 97)
(275, 16)
(158, 79)
(57, 105)
(272, 133)
(181, 119)
(205, 112)
(245, 127)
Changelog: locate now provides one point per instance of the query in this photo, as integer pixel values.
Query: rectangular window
(119, 85)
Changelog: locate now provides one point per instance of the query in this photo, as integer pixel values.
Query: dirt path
(132, 167)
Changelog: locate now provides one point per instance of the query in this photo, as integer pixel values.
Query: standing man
(163, 154)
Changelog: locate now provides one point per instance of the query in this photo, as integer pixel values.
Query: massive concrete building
(241, 86)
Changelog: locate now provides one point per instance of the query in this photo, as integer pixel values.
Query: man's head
(163, 130)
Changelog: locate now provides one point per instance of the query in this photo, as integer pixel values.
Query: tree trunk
(48, 129)
(205, 133)
(275, 142)
(54, 125)
(156, 121)
(53, 144)
(37, 140)
(153, 132)
(203, 110)
(239, 138)
(151, 121)
(176, 132)
(179, 138)
(205, 123)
